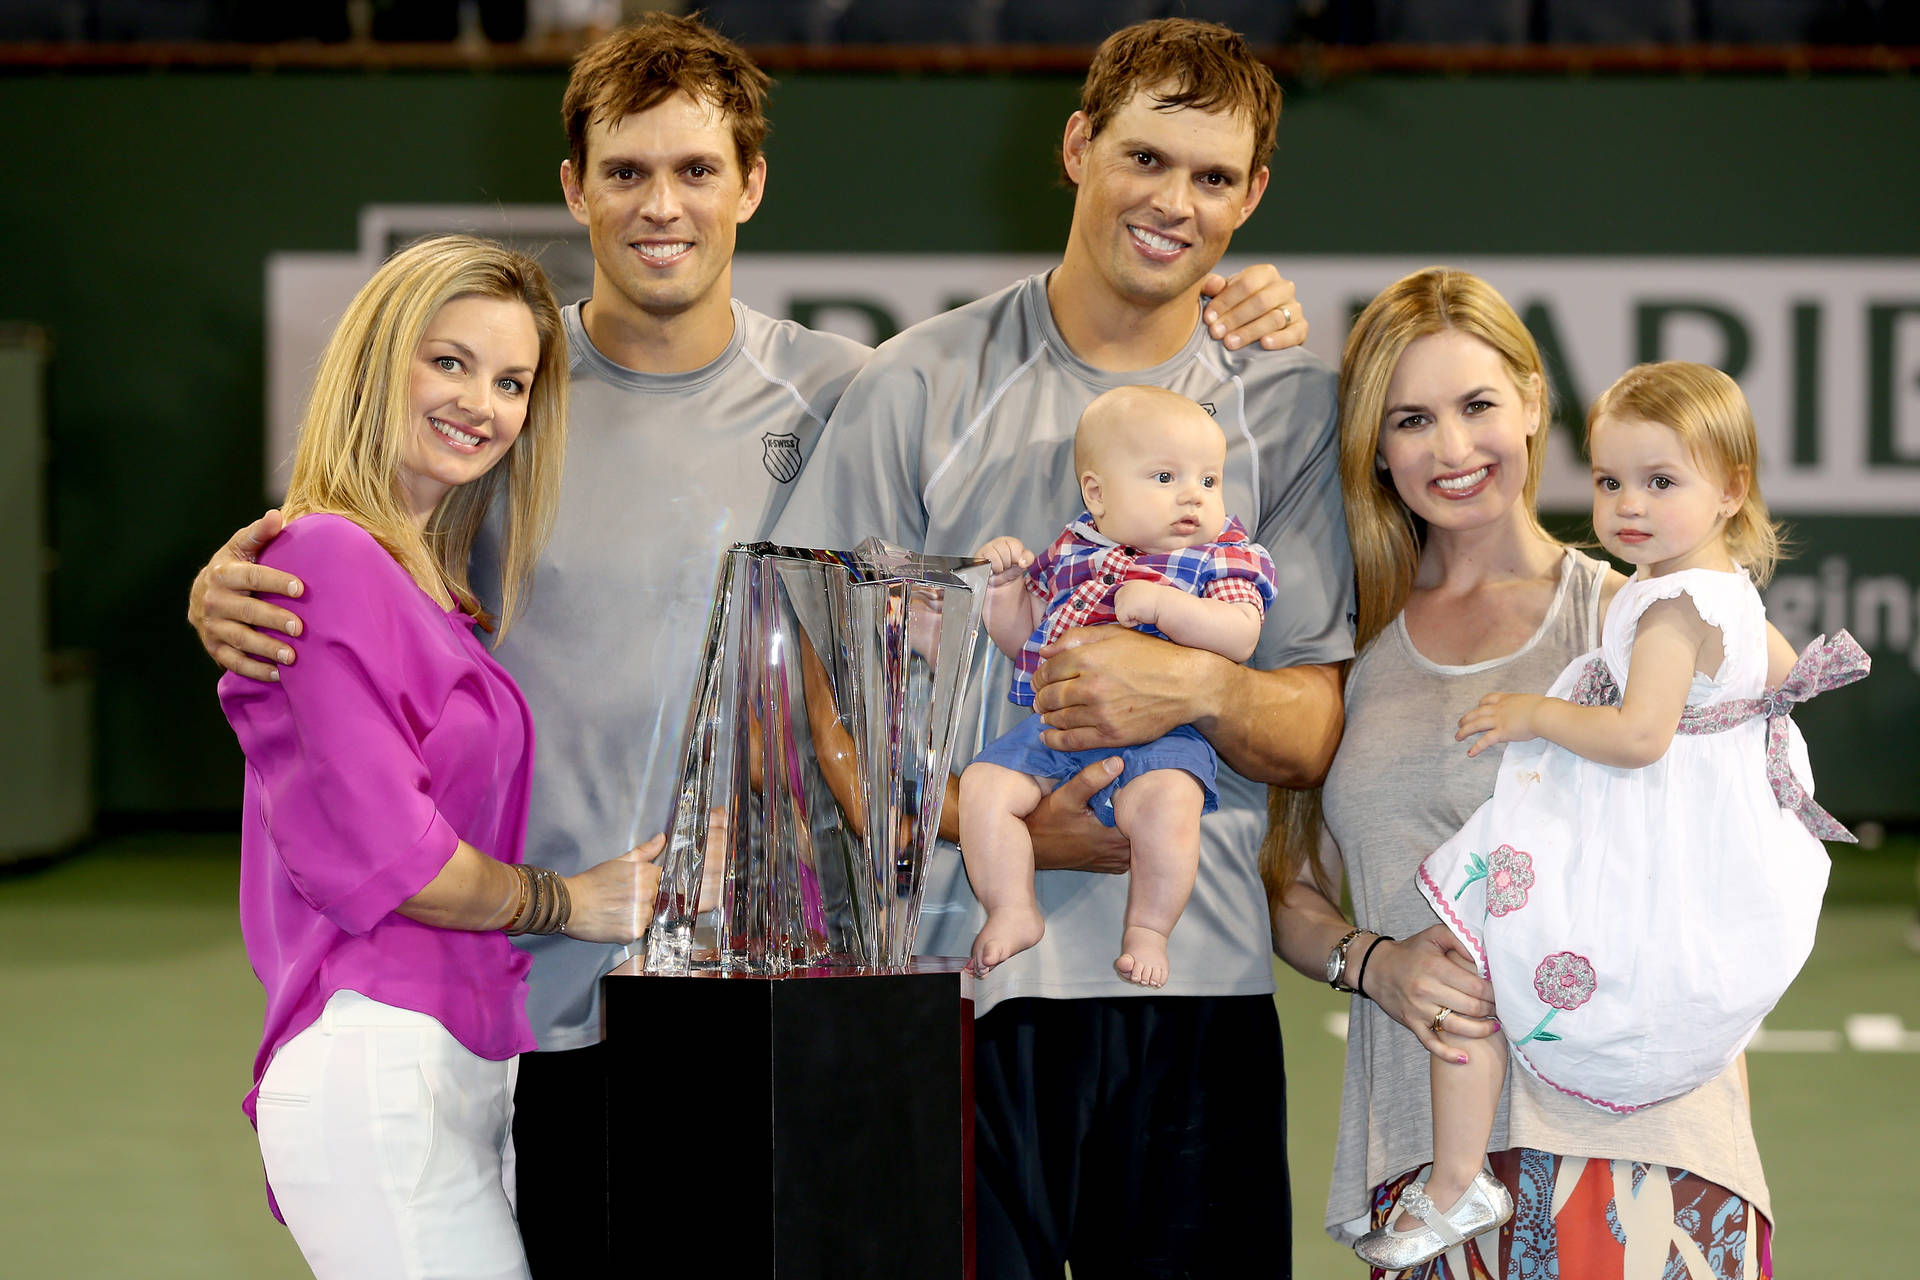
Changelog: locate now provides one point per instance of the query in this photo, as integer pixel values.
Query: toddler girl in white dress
(1645, 881)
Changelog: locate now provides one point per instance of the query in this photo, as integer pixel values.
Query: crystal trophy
(816, 758)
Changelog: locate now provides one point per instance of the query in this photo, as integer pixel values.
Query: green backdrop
(137, 210)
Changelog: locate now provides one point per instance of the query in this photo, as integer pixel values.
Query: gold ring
(1440, 1018)
(1286, 316)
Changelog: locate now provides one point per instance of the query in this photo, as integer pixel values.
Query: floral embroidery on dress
(1476, 870)
(1565, 981)
(1509, 876)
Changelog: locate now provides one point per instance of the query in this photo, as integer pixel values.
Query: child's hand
(1500, 717)
(1137, 604)
(1009, 558)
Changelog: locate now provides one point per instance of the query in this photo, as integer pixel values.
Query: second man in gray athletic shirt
(1122, 1131)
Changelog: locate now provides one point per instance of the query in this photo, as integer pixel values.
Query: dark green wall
(137, 210)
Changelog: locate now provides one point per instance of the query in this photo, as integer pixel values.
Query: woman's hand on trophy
(1066, 835)
(613, 902)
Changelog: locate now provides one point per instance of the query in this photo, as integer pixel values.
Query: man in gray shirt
(1123, 1131)
(691, 416)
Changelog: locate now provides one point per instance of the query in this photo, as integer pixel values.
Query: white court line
(1865, 1033)
(1881, 1033)
(1767, 1041)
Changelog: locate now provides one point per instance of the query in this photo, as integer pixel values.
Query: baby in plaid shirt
(1154, 550)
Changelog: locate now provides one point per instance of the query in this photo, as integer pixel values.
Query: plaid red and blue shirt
(1078, 575)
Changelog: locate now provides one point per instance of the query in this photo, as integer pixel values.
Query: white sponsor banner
(1827, 350)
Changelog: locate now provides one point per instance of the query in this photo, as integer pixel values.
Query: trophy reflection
(816, 759)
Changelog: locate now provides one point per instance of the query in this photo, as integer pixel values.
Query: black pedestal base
(801, 1127)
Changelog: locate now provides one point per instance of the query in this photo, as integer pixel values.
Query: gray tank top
(1398, 788)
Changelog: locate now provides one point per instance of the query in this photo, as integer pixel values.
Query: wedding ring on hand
(1286, 317)
(1440, 1016)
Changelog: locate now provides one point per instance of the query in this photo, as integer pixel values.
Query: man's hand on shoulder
(1256, 305)
(239, 632)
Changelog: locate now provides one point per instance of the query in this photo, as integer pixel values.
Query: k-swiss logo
(780, 451)
(1208, 406)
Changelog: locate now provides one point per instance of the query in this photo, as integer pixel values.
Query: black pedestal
(807, 1127)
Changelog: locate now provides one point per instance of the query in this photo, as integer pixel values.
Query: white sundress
(1637, 924)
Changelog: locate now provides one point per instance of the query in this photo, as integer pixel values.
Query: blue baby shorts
(1021, 750)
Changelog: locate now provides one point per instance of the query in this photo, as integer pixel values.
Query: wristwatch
(1337, 961)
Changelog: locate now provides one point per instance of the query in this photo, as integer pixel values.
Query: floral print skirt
(1581, 1219)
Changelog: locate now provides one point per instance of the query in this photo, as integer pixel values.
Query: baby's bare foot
(1007, 933)
(1143, 957)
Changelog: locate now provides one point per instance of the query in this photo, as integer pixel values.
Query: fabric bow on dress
(1826, 664)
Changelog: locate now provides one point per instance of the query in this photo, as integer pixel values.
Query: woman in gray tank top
(1443, 419)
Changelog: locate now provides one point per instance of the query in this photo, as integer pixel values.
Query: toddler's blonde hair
(1706, 409)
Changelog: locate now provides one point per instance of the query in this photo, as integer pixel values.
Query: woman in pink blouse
(387, 777)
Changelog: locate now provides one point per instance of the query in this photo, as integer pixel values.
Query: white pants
(389, 1147)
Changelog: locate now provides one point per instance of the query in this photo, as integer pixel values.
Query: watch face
(1334, 964)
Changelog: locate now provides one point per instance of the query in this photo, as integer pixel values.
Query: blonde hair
(1705, 408)
(1123, 406)
(358, 417)
(1386, 536)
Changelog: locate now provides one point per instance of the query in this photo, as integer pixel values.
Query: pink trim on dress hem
(1436, 897)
